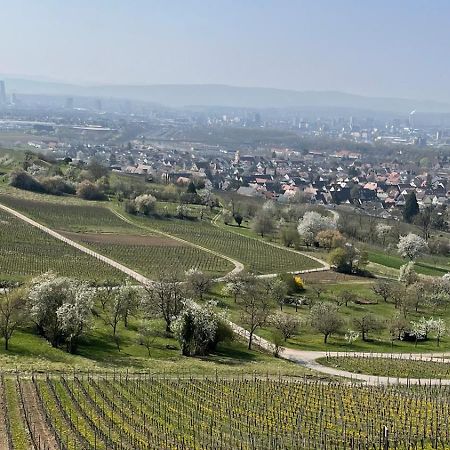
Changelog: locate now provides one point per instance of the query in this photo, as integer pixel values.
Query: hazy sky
(373, 47)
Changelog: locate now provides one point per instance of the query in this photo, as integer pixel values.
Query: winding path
(304, 358)
(324, 264)
(238, 266)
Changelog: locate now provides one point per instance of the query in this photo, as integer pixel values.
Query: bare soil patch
(123, 239)
(329, 276)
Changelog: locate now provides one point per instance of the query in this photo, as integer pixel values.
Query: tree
(367, 323)
(227, 217)
(75, 317)
(330, 239)
(238, 218)
(277, 290)
(263, 223)
(191, 189)
(440, 328)
(112, 317)
(417, 330)
(312, 223)
(235, 285)
(90, 191)
(147, 337)
(286, 324)
(97, 170)
(407, 274)
(164, 297)
(415, 297)
(145, 204)
(23, 180)
(198, 283)
(382, 230)
(411, 246)
(351, 336)
(424, 219)
(256, 307)
(289, 235)
(383, 289)
(105, 291)
(277, 342)
(325, 319)
(397, 327)
(128, 298)
(61, 308)
(12, 313)
(347, 259)
(411, 208)
(345, 297)
(196, 329)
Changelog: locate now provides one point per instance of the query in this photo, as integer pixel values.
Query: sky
(392, 48)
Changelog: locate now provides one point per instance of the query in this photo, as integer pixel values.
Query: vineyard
(253, 253)
(26, 251)
(151, 254)
(395, 366)
(63, 215)
(118, 411)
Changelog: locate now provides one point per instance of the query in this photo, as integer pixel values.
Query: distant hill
(226, 96)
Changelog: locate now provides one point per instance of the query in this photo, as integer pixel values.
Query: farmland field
(255, 254)
(144, 412)
(26, 251)
(150, 254)
(392, 367)
(70, 216)
(83, 217)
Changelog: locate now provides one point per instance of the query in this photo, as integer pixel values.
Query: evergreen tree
(411, 208)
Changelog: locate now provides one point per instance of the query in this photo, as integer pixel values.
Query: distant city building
(69, 103)
(2, 93)
(98, 105)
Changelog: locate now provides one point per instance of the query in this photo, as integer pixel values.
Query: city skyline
(382, 50)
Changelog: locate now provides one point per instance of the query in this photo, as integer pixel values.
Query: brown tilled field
(123, 239)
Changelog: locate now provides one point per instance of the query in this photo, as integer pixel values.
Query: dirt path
(302, 357)
(325, 265)
(39, 430)
(238, 266)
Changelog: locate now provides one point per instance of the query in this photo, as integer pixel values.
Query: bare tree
(326, 319)
(286, 324)
(164, 297)
(256, 306)
(12, 313)
(382, 289)
(345, 297)
(367, 323)
(198, 283)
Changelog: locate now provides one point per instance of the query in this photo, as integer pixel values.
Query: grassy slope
(309, 339)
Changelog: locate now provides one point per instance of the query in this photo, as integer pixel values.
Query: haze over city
(383, 48)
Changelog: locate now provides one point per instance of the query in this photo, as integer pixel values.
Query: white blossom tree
(312, 223)
(407, 274)
(351, 336)
(61, 308)
(411, 246)
(382, 230)
(145, 204)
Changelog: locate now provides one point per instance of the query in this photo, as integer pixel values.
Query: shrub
(23, 180)
(57, 186)
(90, 191)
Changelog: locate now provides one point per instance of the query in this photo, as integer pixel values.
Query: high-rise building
(69, 103)
(98, 104)
(2, 93)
